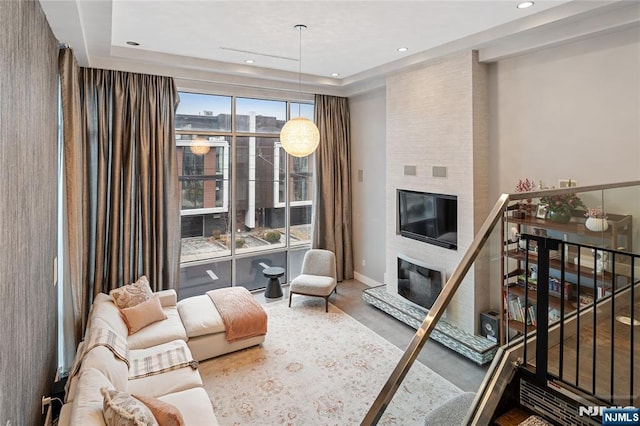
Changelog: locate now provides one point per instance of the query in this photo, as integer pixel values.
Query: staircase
(567, 373)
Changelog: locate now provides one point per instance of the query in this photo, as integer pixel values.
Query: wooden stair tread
(513, 417)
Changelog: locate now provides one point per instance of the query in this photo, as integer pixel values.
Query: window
(203, 173)
(203, 112)
(225, 143)
(300, 183)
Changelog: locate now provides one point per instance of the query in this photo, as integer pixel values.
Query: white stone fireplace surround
(437, 117)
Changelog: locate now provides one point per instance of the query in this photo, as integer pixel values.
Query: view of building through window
(244, 200)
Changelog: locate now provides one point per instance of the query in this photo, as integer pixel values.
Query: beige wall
(572, 111)
(28, 158)
(568, 112)
(368, 136)
(437, 116)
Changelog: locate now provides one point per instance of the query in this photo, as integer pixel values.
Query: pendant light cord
(300, 27)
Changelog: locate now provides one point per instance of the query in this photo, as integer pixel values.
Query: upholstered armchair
(318, 277)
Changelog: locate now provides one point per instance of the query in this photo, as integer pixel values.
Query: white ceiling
(210, 40)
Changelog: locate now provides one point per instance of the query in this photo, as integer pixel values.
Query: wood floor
(460, 371)
(603, 344)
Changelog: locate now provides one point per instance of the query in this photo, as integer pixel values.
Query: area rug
(317, 368)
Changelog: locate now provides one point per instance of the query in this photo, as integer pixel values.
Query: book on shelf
(518, 310)
(532, 315)
(555, 285)
(603, 291)
(526, 313)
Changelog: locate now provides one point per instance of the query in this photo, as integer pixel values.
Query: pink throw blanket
(243, 317)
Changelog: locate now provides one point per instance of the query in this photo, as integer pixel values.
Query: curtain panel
(332, 229)
(122, 194)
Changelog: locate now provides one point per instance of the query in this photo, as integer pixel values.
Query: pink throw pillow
(143, 314)
(166, 414)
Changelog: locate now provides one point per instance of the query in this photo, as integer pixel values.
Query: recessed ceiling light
(249, 61)
(133, 43)
(525, 4)
(402, 49)
(334, 74)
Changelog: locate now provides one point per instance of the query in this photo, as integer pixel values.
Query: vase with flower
(596, 220)
(525, 207)
(560, 206)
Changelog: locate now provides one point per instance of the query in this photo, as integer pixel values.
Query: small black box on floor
(490, 325)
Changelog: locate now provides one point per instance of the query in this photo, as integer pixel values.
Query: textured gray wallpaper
(28, 157)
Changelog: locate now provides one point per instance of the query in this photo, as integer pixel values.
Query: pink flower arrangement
(525, 186)
(595, 213)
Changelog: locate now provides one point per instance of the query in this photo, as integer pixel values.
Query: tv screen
(418, 283)
(432, 218)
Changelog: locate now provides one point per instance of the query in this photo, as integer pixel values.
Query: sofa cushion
(195, 406)
(122, 409)
(166, 414)
(102, 297)
(87, 404)
(316, 285)
(159, 332)
(141, 315)
(167, 297)
(167, 382)
(114, 369)
(200, 316)
(132, 294)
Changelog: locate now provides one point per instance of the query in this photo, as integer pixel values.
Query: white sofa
(201, 336)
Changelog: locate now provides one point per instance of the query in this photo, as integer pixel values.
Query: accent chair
(318, 277)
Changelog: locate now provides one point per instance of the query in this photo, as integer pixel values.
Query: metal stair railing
(421, 336)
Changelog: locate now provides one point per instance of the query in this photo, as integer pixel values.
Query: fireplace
(419, 283)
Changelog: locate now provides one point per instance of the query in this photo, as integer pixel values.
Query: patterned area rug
(316, 368)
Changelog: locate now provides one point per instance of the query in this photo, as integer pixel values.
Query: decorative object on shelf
(299, 136)
(602, 260)
(596, 220)
(541, 211)
(567, 183)
(560, 216)
(527, 207)
(560, 206)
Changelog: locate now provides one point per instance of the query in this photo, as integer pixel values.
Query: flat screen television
(418, 282)
(432, 218)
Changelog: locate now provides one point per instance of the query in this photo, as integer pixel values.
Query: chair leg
(290, 294)
(326, 304)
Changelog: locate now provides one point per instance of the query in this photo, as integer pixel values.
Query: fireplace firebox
(419, 283)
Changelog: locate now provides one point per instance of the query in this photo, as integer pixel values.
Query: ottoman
(205, 328)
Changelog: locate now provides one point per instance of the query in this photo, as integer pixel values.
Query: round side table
(273, 290)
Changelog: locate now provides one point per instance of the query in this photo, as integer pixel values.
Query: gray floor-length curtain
(332, 228)
(121, 180)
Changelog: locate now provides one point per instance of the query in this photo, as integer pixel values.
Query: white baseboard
(365, 280)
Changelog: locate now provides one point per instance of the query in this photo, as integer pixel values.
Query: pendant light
(299, 136)
(199, 146)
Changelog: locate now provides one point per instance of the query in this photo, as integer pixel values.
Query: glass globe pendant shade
(299, 137)
(199, 147)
